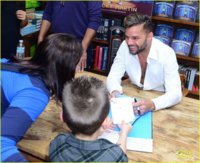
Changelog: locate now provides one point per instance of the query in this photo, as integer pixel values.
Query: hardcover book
(140, 137)
(105, 58)
(96, 57)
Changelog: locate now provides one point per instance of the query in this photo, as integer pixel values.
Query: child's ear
(107, 123)
(104, 124)
(61, 116)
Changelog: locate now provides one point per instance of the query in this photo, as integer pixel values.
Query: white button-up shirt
(161, 73)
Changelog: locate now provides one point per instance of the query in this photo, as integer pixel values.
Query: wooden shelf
(194, 93)
(105, 42)
(97, 71)
(187, 58)
(171, 20)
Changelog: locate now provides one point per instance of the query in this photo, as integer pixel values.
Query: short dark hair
(55, 61)
(85, 104)
(137, 19)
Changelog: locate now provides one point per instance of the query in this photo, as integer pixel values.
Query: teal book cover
(140, 137)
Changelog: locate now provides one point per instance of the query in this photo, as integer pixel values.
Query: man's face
(136, 38)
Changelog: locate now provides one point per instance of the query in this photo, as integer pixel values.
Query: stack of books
(34, 22)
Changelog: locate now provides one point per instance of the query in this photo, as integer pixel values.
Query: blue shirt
(67, 148)
(23, 99)
(73, 17)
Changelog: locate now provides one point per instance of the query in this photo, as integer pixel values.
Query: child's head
(85, 105)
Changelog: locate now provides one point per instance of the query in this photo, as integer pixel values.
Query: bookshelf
(176, 21)
(104, 42)
(113, 14)
(188, 60)
(118, 15)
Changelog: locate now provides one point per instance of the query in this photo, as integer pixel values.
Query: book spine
(105, 58)
(195, 86)
(90, 57)
(188, 72)
(100, 57)
(192, 76)
(96, 57)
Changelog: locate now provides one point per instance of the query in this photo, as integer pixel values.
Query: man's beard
(139, 49)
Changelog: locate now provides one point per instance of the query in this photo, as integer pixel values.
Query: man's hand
(40, 39)
(143, 106)
(82, 63)
(21, 15)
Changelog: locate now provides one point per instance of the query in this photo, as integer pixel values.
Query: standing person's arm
(46, 21)
(21, 13)
(94, 14)
(85, 43)
(45, 26)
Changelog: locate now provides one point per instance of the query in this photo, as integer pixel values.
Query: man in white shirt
(149, 63)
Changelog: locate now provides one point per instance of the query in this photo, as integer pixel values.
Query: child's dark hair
(137, 19)
(85, 104)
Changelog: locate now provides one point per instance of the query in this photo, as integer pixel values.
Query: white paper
(139, 144)
(135, 144)
(110, 135)
(122, 110)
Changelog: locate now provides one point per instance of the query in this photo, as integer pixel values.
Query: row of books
(192, 77)
(98, 58)
(34, 22)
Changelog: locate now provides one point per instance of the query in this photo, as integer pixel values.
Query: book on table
(140, 137)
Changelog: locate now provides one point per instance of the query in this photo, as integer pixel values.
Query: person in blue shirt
(26, 87)
(81, 19)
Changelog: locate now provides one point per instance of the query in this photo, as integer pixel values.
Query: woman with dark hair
(27, 86)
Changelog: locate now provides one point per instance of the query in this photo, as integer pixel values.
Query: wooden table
(175, 130)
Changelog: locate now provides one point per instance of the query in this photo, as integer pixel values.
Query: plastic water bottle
(20, 53)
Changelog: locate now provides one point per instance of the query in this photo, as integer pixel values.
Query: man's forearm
(45, 26)
(89, 34)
